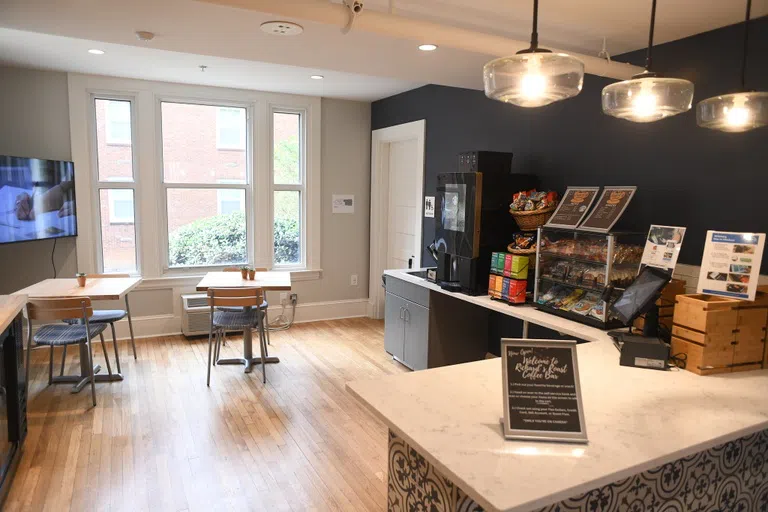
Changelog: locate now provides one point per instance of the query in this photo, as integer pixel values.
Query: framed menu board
(542, 395)
(609, 209)
(573, 207)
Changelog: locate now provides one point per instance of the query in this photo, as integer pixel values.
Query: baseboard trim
(169, 325)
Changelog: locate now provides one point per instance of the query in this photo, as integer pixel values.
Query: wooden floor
(161, 440)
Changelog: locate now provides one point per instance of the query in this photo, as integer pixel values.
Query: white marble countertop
(637, 419)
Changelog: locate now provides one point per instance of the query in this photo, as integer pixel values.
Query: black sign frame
(600, 206)
(564, 348)
(564, 202)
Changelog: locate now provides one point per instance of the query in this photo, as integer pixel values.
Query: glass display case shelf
(573, 269)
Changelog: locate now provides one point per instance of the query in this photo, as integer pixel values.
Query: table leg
(525, 328)
(130, 325)
(248, 360)
(84, 378)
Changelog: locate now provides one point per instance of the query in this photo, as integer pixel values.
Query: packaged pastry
(598, 311)
(576, 273)
(567, 302)
(586, 303)
(524, 240)
(530, 200)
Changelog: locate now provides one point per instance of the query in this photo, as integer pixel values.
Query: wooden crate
(666, 304)
(720, 335)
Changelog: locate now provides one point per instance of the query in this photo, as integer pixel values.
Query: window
(230, 128)
(120, 206)
(118, 122)
(116, 187)
(205, 189)
(288, 188)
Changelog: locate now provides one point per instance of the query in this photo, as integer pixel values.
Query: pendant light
(534, 77)
(647, 97)
(738, 112)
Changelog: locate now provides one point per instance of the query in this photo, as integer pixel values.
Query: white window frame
(109, 137)
(218, 185)
(241, 145)
(123, 183)
(300, 187)
(113, 217)
(149, 205)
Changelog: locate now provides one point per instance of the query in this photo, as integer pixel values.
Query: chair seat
(63, 334)
(264, 305)
(236, 319)
(102, 316)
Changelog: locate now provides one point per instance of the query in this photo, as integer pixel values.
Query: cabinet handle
(407, 315)
(402, 312)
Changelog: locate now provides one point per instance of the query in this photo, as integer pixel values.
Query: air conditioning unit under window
(195, 314)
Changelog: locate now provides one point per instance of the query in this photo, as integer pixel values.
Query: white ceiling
(54, 34)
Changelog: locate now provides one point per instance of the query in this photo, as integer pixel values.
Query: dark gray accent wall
(685, 175)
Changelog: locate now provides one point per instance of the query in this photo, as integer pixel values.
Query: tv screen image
(37, 199)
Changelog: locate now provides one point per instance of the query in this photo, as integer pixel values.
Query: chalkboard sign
(573, 207)
(542, 397)
(609, 209)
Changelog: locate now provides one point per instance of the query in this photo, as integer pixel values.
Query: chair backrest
(237, 269)
(235, 297)
(59, 308)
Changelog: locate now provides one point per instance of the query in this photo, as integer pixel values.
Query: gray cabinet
(406, 323)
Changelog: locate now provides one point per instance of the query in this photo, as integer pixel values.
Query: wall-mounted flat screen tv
(37, 199)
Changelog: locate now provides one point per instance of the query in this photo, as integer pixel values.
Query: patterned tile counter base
(731, 477)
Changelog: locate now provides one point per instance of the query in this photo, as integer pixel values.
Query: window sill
(191, 280)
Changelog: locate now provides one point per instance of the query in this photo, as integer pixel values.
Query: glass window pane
(118, 233)
(287, 227)
(201, 232)
(286, 133)
(114, 151)
(203, 143)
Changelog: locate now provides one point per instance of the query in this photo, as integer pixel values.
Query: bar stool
(82, 331)
(249, 316)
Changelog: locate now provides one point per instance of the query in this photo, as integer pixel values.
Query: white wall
(34, 105)
(34, 122)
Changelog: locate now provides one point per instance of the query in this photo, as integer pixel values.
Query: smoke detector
(282, 28)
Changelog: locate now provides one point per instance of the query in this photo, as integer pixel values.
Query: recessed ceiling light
(94, 51)
(282, 28)
(427, 47)
(316, 77)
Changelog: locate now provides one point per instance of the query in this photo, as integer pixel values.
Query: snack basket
(531, 220)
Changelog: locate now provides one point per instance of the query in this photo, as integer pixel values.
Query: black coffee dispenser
(472, 218)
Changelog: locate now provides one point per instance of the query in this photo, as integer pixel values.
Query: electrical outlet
(283, 298)
(294, 298)
(353, 280)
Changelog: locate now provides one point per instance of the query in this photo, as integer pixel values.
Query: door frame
(380, 141)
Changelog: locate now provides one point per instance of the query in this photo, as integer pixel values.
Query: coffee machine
(472, 218)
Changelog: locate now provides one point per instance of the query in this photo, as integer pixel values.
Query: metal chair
(249, 316)
(107, 316)
(264, 306)
(53, 335)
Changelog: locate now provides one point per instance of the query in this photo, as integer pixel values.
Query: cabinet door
(394, 308)
(416, 336)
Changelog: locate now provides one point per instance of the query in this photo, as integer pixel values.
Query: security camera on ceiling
(355, 7)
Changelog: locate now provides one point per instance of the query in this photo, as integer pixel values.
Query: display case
(578, 271)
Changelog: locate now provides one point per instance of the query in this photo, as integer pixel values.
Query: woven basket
(529, 221)
(531, 253)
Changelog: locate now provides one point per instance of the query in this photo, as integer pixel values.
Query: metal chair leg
(217, 347)
(266, 326)
(63, 360)
(93, 377)
(263, 349)
(210, 346)
(114, 344)
(50, 367)
(106, 354)
(130, 326)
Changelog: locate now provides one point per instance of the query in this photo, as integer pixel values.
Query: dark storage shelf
(571, 285)
(584, 260)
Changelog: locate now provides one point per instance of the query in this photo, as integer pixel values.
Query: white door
(404, 212)
(397, 193)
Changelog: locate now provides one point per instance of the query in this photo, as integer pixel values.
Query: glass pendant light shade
(739, 112)
(647, 99)
(533, 79)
